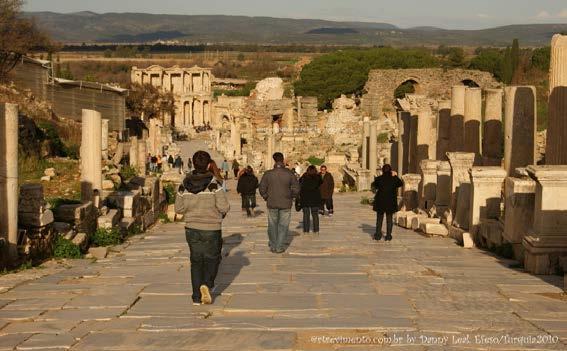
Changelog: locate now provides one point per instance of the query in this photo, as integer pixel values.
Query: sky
(457, 14)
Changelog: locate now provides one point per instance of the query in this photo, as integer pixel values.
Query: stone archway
(409, 86)
(470, 83)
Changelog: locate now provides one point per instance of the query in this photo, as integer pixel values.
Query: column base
(542, 253)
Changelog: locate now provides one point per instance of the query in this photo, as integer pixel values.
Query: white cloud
(543, 14)
(483, 15)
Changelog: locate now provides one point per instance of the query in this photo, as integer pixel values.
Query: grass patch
(163, 218)
(135, 229)
(55, 202)
(106, 237)
(128, 172)
(366, 201)
(169, 189)
(64, 248)
(505, 250)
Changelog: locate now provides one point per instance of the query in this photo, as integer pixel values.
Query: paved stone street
(336, 285)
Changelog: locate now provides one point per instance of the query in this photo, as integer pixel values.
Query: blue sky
(405, 13)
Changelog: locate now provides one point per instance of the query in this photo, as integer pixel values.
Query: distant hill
(91, 27)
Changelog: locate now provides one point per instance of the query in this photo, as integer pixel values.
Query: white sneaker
(206, 298)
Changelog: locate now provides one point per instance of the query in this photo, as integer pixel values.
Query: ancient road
(338, 290)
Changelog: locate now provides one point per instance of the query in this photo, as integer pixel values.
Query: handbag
(298, 206)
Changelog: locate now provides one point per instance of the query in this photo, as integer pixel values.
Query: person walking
(310, 198)
(386, 200)
(327, 190)
(178, 164)
(204, 205)
(170, 161)
(189, 165)
(235, 168)
(247, 185)
(278, 187)
(225, 168)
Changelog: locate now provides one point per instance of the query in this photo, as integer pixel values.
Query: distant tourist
(170, 161)
(153, 163)
(178, 163)
(310, 198)
(225, 167)
(235, 168)
(247, 185)
(204, 205)
(189, 164)
(327, 190)
(278, 187)
(298, 170)
(386, 200)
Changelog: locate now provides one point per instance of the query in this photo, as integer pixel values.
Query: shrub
(135, 229)
(55, 202)
(383, 138)
(64, 248)
(128, 172)
(315, 161)
(169, 189)
(106, 237)
(163, 218)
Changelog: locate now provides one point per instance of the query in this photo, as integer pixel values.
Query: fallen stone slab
(109, 220)
(417, 220)
(81, 240)
(98, 252)
(434, 229)
(468, 242)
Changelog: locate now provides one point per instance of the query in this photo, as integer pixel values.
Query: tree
(456, 57)
(18, 36)
(148, 101)
(515, 56)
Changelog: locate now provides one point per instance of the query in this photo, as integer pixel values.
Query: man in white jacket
(204, 205)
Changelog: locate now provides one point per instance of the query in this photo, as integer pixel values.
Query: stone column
(548, 239)
(410, 191)
(365, 140)
(152, 136)
(492, 129)
(519, 202)
(91, 151)
(373, 148)
(486, 193)
(457, 124)
(556, 147)
(404, 126)
(443, 188)
(104, 140)
(460, 163)
(235, 138)
(142, 157)
(9, 179)
(443, 130)
(428, 184)
(473, 119)
(426, 135)
(134, 151)
(519, 128)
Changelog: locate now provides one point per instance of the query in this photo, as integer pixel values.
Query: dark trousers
(205, 247)
(248, 201)
(327, 203)
(389, 223)
(309, 212)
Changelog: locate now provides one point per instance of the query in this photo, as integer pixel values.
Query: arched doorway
(410, 86)
(470, 83)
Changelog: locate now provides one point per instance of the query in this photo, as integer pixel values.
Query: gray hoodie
(203, 203)
(279, 187)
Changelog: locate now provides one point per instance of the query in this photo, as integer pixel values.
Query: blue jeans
(309, 212)
(278, 227)
(205, 256)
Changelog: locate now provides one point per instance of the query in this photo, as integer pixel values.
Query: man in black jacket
(386, 200)
(278, 187)
(247, 185)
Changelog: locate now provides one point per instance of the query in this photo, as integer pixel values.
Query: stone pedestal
(9, 179)
(457, 125)
(486, 193)
(547, 242)
(142, 157)
(556, 147)
(373, 149)
(364, 180)
(428, 184)
(519, 205)
(443, 188)
(411, 191)
(492, 136)
(443, 129)
(104, 140)
(426, 136)
(473, 119)
(91, 151)
(134, 152)
(460, 163)
(519, 128)
(365, 141)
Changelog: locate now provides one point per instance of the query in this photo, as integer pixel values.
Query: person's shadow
(368, 229)
(231, 264)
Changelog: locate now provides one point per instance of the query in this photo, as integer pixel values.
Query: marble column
(235, 138)
(91, 151)
(428, 184)
(104, 140)
(556, 147)
(426, 135)
(9, 179)
(142, 157)
(486, 193)
(410, 192)
(473, 119)
(548, 239)
(134, 151)
(519, 205)
(404, 126)
(443, 129)
(519, 128)
(457, 123)
(492, 136)
(460, 163)
(443, 188)
(365, 140)
(373, 148)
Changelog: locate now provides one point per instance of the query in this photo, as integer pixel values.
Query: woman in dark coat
(310, 198)
(246, 187)
(386, 200)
